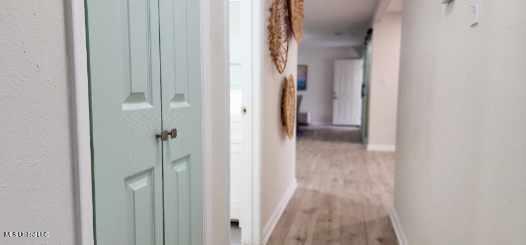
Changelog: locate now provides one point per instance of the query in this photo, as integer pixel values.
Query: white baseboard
(278, 212)
(384, 148)
(397, 226)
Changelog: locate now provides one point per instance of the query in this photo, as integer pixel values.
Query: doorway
(347, 101)
(243, 201)
(145, 94)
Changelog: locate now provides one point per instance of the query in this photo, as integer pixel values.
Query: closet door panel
(124, 72)
(181, 99)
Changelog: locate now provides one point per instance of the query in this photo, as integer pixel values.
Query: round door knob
(244, 110)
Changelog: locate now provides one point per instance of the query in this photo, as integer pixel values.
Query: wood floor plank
(301, 231)
(353, 227)
(322, 226)
(344, 194)
(286, 221)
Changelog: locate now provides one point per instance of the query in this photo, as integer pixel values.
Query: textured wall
(317, 99)
(36, 186)
(461, 137)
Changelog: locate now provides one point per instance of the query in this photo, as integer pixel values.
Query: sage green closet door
(124, 65)
(181, 100)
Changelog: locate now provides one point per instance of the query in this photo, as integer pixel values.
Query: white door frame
(250, 211)
(78, 72)
(257, 23)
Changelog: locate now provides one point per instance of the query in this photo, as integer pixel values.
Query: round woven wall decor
(288, 106)
(278, 33)
(296, 18)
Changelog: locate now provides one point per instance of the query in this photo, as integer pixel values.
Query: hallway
(343, 196)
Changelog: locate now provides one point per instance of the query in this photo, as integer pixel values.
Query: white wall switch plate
(475, 12)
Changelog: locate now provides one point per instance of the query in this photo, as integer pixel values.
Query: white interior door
(240, 107)
(347, 100)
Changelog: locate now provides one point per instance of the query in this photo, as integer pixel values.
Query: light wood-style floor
(343, 197)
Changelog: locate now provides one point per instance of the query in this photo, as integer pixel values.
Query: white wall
(216, 123)
(278, 153)
(383, 90)
(317, 99)
(36, 169)
(461, 171)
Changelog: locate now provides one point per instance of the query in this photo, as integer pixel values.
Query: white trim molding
(278, 211)
(397, 226)
(257, 22)
(381, 148)
(216, 129)
(78, 72)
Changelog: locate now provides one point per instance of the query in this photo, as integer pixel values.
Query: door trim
(81, 126)
(258, 36)
(215, 129)
(250, 208)
(251, 213)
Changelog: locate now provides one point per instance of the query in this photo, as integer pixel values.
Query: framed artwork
(302, 77)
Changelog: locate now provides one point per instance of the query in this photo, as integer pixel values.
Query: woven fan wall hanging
(288, 106)
(296, 18)
(279, 32)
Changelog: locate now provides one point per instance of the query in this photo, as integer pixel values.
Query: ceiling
(338, 22)
(342, 22)
(396, 6)
(337, 15)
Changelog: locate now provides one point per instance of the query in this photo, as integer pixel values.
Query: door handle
(244, 110)
(165, 135)
(173, 133)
